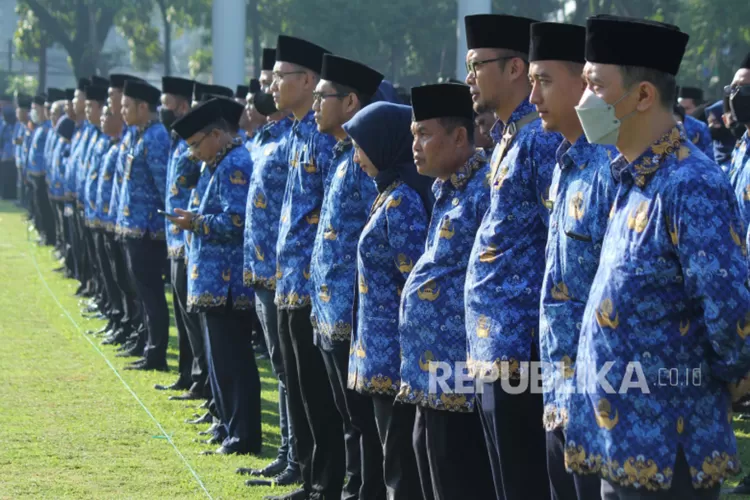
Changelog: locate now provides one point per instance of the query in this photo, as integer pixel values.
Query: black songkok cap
(231, 110)
(442, 100)
(746, 62)
(199, 89)
(65, 128)
(690, 93)
(358, 76)
(242, 91)
(220, 91)
(23, 101)
(557, 42)
(198, 118)
(39, 99)
(269, 59)
(70, 94)
(96, 93)
(301, 52)
(117, 80)
(180, 87)
(142, 91)
(254, 86)
(625, 41)
(100, 80)
(498, 31)
(55, 94)
(83, 83)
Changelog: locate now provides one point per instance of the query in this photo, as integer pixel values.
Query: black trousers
(114, 302)
(122, 281)
(64, 237)
(565, 486)
(364, 453)
(43, 216)
(516, 442)
(451, 456)
(73, 245)
(315, 420)
(87, 271)
(96, 286)
(8, 173)
(145, 259)
(193, 367)
(395, 423)
(682, 487)
(233, 374)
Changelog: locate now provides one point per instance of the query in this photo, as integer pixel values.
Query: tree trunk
(252, 10)
(93, 42)
(42, 77)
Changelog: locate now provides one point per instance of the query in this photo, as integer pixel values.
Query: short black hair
(451, 123)
(510, 55)
(665, 83)
(345, 89)
(151, 107)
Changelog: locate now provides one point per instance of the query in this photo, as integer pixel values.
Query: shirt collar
(574, 155)
(298, 125)
(522, 110)
(342, 147)
(275, 129)
(235, 142)
(464, 174)
(642, 170)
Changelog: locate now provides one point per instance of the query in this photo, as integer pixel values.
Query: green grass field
(73, 424)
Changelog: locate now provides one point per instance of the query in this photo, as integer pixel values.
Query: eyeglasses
(279, 75)
(731, 90)
(319, 96)
(194, 147)
(471, 66)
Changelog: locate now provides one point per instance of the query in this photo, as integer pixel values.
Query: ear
(647, 96)
(518, 69)
(461, 137)
(352, 101)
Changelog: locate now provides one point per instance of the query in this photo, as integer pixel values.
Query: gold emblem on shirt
(306, 272)
(226, 275)
(363, 289)
(310, 168)
(673, 234)
(568, 369)
(360, 351)
(604, 417)
(483, 327)
(488, 255)
(394, 202)
(237, 221)
(279, 274)
(446, 229)
(575, 206)
(174, 190)
(313, 218)
(604, 315)
(330, 234)
(425, 361)
(405, 264)
(238, 178)
(260, 201)
(259, 254)
(324, 294)
(560, 292)
(194, 273)
(638, 219)
(738, 240)
(429, 291)
(744, 331)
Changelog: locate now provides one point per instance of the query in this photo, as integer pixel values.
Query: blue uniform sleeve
(323, 153)
(157, 155)
(705, 226)
(542, 163)
(406, 223)
(229, 224)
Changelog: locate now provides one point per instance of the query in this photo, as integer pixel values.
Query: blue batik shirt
(333, 265)
(6, 142)
(182, 174)
(85, 166)
(122, 156)
(36, 166)
(60, 157)
(581, 196)
(215, 254)
(665, 326)
(739, 175)
(700, 135)
(269, 154)
(505, 271)
(144, 184)
(76, 153)
(105, 184)
(309, 158)
(391, 242)
(49, 145)
(432, 320)
(19, 135)
(96, 169)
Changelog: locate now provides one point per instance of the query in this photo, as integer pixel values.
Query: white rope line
(117, 374)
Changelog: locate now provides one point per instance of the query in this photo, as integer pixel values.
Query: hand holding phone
(167, 214)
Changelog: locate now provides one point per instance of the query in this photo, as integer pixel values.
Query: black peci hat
(96, 93)
(55, 94)
(625, 41)
(746, 62)
(70, 94)
(197, 118)
(242, 91)
(231, 110)
(142, 91)
(690, 93)
(39, 99)
(358, 76)
(269, 59)
(180, 87)
(83, 83)
(254, 86)
(301, 52)
(99, 80)
(23, 101)
(557, 42)
(498, 31)
(117, 80)
(442, 100)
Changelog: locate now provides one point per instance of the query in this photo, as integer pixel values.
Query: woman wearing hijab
(391, 242)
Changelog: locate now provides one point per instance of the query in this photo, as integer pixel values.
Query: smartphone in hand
(167, 214)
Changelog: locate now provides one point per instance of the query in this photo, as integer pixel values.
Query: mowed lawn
(70, 427)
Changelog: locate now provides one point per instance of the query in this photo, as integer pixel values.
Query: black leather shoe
(210, 432)
(271, 470)
(186, 396)
(177, 386)
(136, 350)
(299, 494)
(205, 419)
(220, 451)
(117, 337)
(287, 478)
(148, 367)
(213, 440)
(127, 345)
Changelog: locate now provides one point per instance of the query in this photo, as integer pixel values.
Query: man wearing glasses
(316, 423)
(506, 267)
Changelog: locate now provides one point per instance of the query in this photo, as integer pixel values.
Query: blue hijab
(386, 93)
(383, 131)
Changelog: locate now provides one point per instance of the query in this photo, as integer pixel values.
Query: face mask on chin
(167, 117)
(598, 119)
(740, 105)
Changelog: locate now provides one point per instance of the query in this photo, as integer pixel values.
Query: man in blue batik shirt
(504, 276)
(268, 152)
(670, 296)
(317, 424)
(581, 195)
(36, 170)
(739, 172)
(138, 221)
(448, 442)
(7, 163)
(345, 87)
(182, 173)
(20, 140)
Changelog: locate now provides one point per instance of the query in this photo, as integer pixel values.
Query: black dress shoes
(221, 451)
(147, 366)
(179, 385)
(213, 440)
(136, 350)
(299, 494)
(287, 478)
(186, 396)
(205, 419)
(271, 470)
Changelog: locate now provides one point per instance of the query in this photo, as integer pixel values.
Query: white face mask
(35, 118)
(598, 119)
